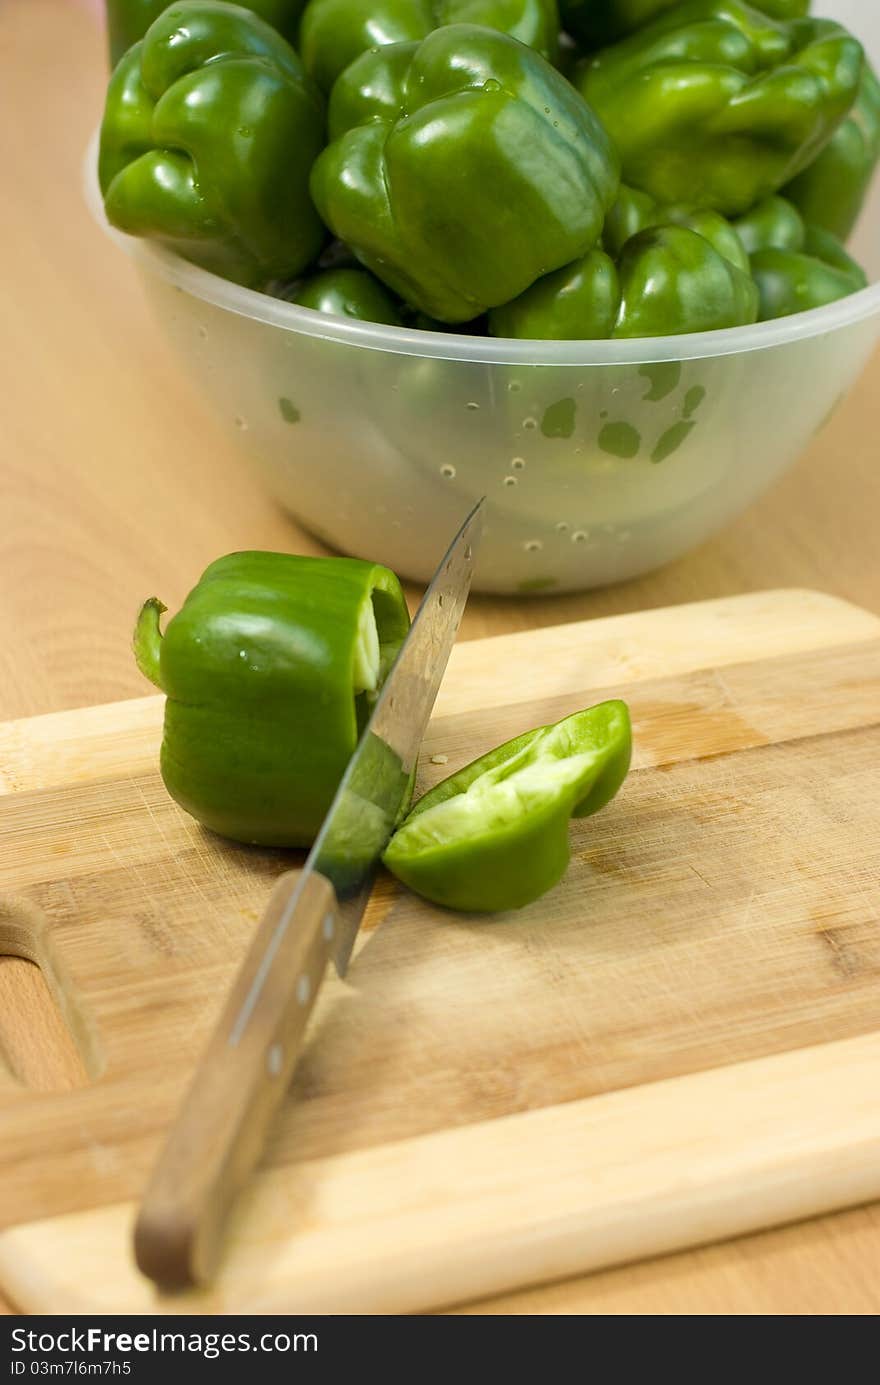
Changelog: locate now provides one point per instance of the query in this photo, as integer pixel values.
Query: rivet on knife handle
(222, 1126)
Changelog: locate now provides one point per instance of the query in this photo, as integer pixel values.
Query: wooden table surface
(115, 482)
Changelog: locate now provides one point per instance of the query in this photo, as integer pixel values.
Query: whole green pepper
(210, 131)
(335, 32)
(129, 20)
(597, 22)
(792, 281)
(269, 669)
(686, 271)
(832, 191)
(795, 266)
(346, 293)
(635, 211)
(774, 222)
(430, 187)
(494, 836)
(716, 104)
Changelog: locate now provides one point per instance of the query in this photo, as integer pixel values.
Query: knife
(312, 915)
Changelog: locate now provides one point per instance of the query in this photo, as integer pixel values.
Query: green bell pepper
(635, 211)
(335, 32)
(494, 836)
(346, 293)
(597, 22)
(129, 20)
(686, 271)
(774, 222)
(794, 265)
(269, 670)
(792, 281)
(210, 131)
(430, 187)
(716, 104)
(832, 191)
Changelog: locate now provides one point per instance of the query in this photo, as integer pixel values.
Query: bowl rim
(290, 317)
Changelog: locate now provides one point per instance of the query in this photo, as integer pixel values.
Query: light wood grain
(123, 738)
(723, 909)
(114, 482)
(422, 1223)
(218, 1135)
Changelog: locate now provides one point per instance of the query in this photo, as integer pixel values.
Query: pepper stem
(147, 640)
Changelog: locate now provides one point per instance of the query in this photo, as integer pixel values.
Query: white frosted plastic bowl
(599, 460)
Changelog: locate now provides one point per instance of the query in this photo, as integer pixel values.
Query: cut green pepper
(269, 668)
(715, 103)
(210, 131)
(429, 153)
(335, 32)
(494, 836)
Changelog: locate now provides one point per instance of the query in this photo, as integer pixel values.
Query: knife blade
(313, 915)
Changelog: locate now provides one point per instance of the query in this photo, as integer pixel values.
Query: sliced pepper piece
(597, 22)
(269, 669)
(716, 104)
(346, 293)
(210, 131)
(494, 836)
(832, 191)
(129, 20)
(435, 160)
(335, 32)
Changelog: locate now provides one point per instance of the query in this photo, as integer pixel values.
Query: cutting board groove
(719, 922)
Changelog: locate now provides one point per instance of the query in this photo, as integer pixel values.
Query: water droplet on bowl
(562, 527)
(518, 463)
(510, 480)
(471, 404)
(533, 545)
(578, 536)
(240, 422)
(447, 471)
(514, 387)
(530, 423)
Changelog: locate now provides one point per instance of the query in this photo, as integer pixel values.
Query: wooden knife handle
(222, 1126)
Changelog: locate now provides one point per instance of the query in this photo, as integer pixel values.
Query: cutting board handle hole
(45, 1044)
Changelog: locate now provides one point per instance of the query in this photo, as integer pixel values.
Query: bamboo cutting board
(681, 1042)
